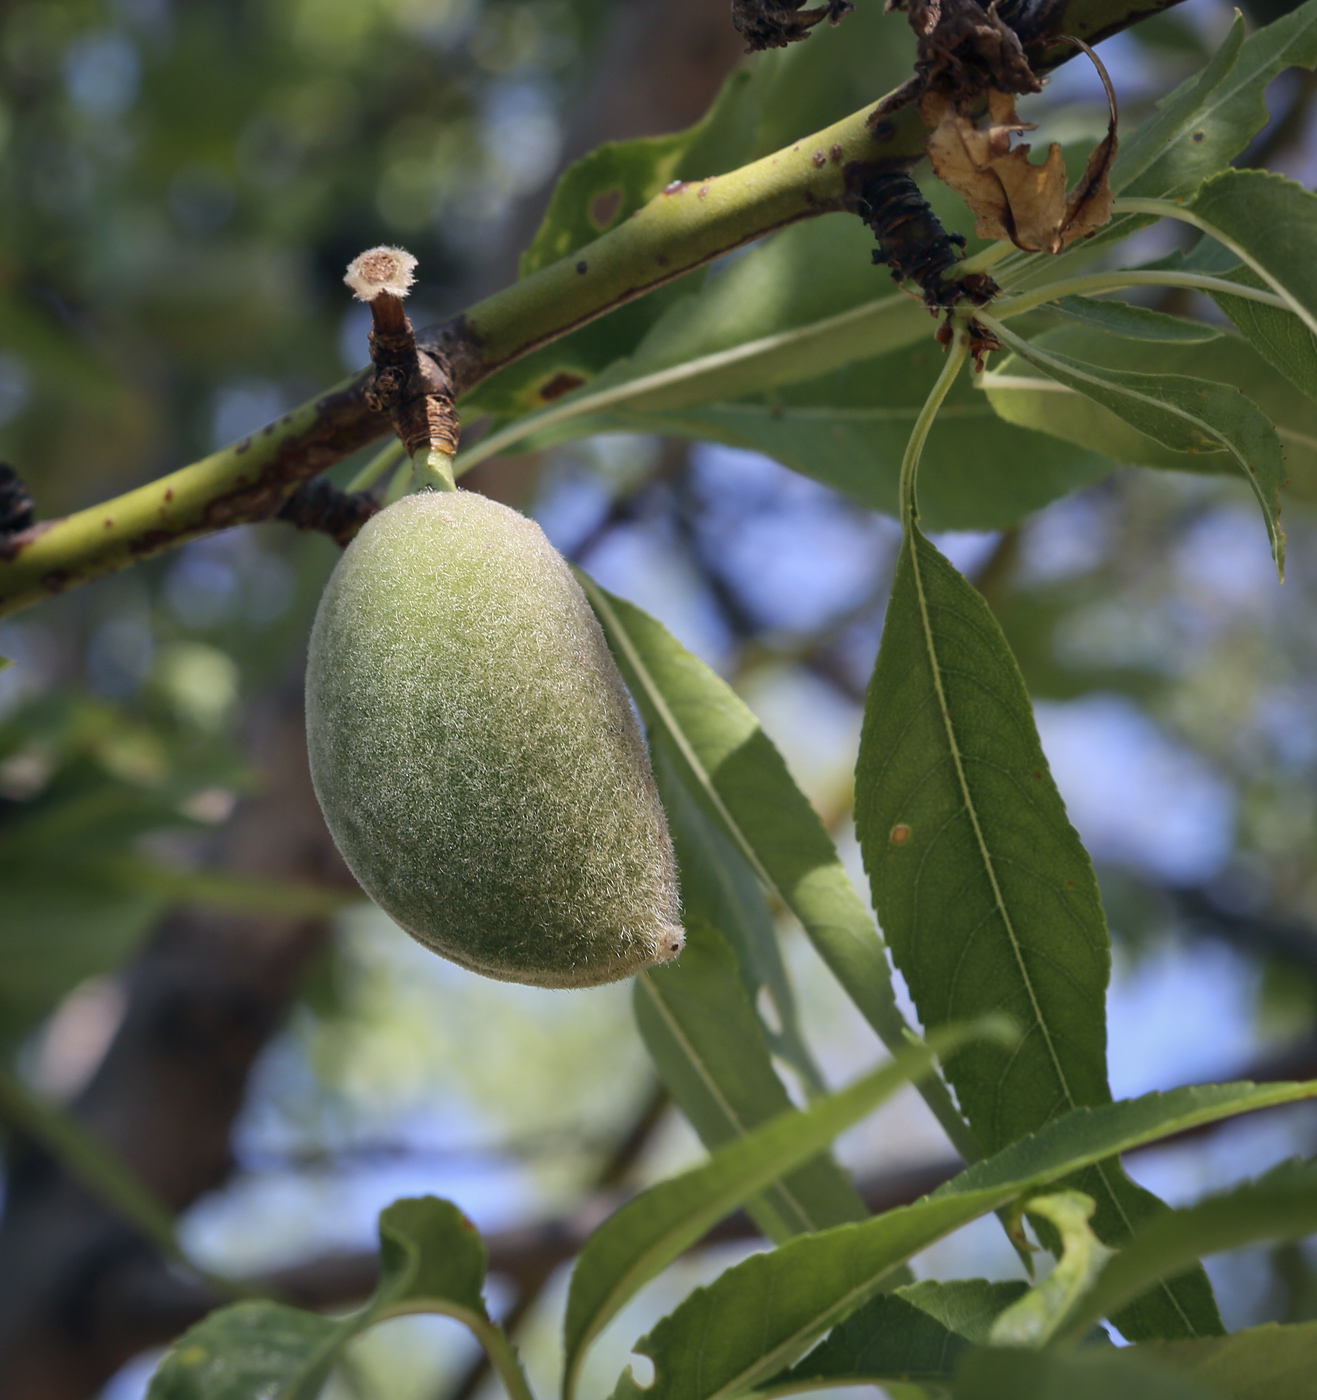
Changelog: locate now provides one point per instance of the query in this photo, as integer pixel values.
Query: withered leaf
(1011, 197)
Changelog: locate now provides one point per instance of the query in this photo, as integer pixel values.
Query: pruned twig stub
(17, 508)
(414, 387)
(773, 24)
(911, 239)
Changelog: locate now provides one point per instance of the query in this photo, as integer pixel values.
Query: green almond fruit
(476, 755)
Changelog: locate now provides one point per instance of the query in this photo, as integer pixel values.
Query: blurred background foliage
(181, 185)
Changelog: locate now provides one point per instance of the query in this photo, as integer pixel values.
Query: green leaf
(1032, 1321)
(1023, 396)
(1261, 1363)
(62, 922)
(648, 1233)
(431, 1260)
(848, 429)
(720, 889)
(766, 1312)
(430, 1254)
(257, 1348)
(604, 188)
(1207, 121)
(967, 1307)
(1280, 338)
(739, 778)
(1028, 399)
(707, 1043)
(1279, 1206)
(917, 1333)
(1274, 222)
(1133, 322)
(596, 194)
(1002, 1374)
(986, 894)
(227, 889)
(1186, 415)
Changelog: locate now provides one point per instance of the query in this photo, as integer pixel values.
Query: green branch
(679, 230)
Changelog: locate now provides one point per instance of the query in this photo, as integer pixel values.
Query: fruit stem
(434, 468)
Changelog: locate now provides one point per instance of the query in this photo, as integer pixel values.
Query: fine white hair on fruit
(476, 755)
(381, 269)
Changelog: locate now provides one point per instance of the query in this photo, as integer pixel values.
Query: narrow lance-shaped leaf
(1279, 1206)
(707, 1043)
(1202, 126)
(1284, 341)
(1279, 337)
(699, 1020)
(733, 767)
(647, 1234)
(1034, 399)
(768, 1311)
(719, 888)
(986, 894)
(1271, 220)
(1186, 415)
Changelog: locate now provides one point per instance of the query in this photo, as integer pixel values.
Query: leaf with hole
(765, 1313)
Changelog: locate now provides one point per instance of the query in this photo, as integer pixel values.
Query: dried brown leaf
(1011, 196)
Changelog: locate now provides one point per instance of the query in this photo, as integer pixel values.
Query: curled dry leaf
(1011, 196)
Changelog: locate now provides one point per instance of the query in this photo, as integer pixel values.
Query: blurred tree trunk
(80, 1291)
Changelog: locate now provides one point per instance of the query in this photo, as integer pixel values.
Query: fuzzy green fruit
(476, 755)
